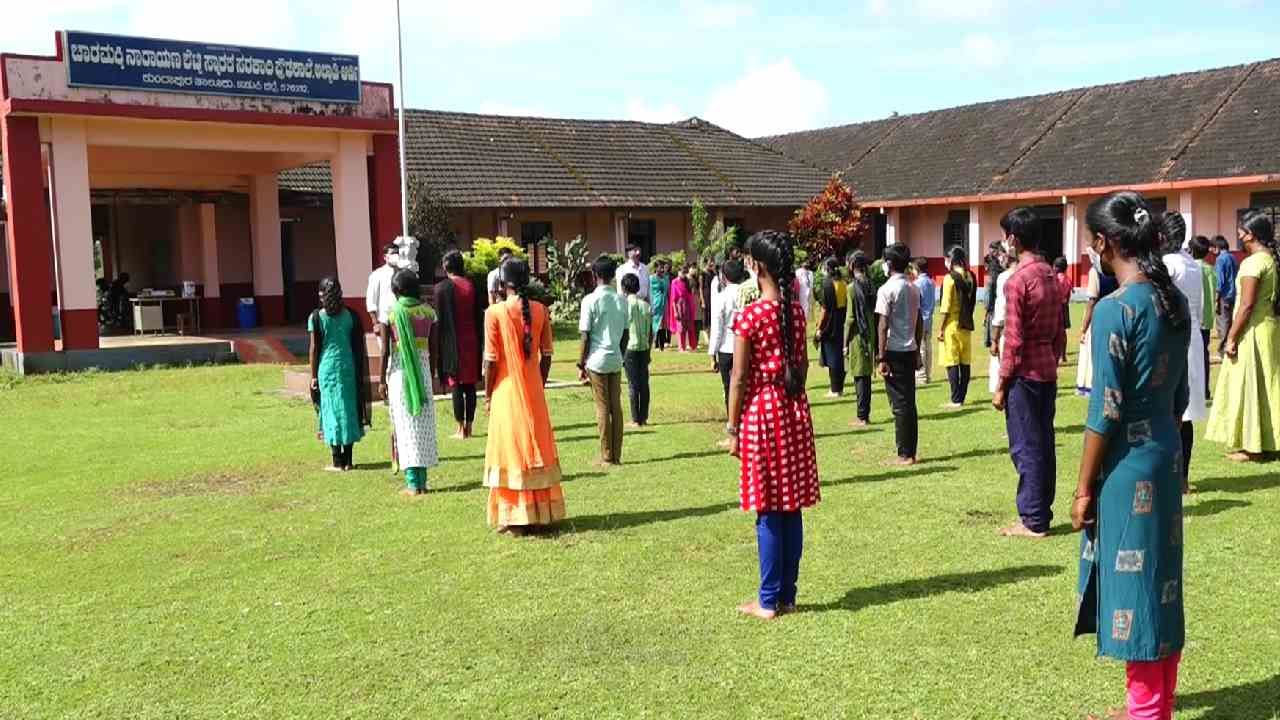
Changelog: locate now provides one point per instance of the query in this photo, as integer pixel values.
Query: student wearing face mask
(1028, 388)
(1128, 499)
(1099, 286)
(1246, 412)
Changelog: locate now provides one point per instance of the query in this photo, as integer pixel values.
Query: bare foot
(754, 610)
(1019, 530)
(952, 406)
(349, 468)
(904, 461)
(725, 444)
(1243, 457)
(786, 609)
(634, 426)
(602, 464)
(458, 436)
(332, 468)
(858, 423)
(409, 492)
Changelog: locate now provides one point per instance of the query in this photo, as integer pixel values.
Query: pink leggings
(1151, 688)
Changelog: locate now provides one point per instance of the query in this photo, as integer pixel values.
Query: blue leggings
(780, 536)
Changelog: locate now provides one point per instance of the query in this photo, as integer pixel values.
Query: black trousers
(662, 338)
(1205, 335)
(1188, 440)
(636, 365)
(341, 456)
(900, 386)
(958, 377)
(724, 363)
(862, 386)
(464, 403)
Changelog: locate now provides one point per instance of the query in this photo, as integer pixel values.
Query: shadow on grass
(897, 474)
(1251, 701)
(1239, 485)
(1213, 507)
(980, 452)
(958, 412)
(680, 456)
(621, 521)
(972, 582)
(1070, 429)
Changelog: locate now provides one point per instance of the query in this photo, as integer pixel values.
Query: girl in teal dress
(339, 374)
(659, 291)
(1129, 496)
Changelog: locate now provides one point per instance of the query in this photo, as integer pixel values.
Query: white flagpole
(400, 140)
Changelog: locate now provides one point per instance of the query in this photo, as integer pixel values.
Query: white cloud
(716, 13)
(983, 51)
(638, 109)
(940, 10)
(494, 23)
(768, 100)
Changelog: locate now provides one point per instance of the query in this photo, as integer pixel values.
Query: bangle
(731, 430)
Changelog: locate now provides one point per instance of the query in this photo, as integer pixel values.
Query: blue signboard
(113, 61)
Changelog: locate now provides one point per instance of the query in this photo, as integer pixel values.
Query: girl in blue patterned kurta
(1129, 497)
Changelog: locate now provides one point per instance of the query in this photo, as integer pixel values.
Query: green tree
(701, 230)
(430, 223)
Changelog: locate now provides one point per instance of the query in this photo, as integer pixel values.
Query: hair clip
(1140, 215)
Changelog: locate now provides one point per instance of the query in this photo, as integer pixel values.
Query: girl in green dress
(1247, 412)
(339, 374)
(1129, 496)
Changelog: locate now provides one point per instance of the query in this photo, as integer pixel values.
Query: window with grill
(955, 231)
(1266, 202)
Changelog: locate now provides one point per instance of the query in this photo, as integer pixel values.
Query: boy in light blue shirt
(603, 328)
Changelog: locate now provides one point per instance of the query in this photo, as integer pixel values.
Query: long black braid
(330, 295)
(776, 251)
(515, 274)
(1125, 218)
(1257, 224)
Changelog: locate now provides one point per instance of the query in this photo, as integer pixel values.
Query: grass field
(172, 549)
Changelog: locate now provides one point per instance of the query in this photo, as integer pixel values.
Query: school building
(1203, 143)
(253, 173)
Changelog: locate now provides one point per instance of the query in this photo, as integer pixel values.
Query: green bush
(484, 254)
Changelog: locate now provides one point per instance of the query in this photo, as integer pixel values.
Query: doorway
(288, 270)
(1050, 231)
(644, 234)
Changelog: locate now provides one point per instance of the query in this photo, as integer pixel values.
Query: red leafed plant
(832, 223)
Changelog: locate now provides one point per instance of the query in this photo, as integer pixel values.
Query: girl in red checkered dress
(769, 422)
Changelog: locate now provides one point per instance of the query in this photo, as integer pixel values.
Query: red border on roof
(240, 117)
(1076, 192)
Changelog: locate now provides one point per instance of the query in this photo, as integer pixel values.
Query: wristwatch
(731, 430)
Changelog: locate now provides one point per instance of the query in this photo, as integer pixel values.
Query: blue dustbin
(247, 314)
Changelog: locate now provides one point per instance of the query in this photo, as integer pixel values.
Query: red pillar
(384, 189)
(28, 234)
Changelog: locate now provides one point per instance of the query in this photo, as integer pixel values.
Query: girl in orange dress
(521, 467)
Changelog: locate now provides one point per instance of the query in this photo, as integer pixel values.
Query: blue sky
(755, 67)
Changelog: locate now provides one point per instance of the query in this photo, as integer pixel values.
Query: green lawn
(173, 550)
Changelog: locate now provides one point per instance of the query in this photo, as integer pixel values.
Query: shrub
(831, 223)
(565, 268)
(484, 254)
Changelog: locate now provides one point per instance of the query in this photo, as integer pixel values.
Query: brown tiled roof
(500, 161)
(1208, 124)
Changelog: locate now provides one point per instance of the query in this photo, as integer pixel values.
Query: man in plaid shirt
(1028, 388)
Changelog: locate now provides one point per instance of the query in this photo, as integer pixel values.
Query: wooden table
(148, 313)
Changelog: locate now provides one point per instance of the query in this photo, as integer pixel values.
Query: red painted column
(28, 234)
(384, 189)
